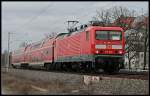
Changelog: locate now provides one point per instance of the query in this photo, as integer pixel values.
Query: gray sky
(30, 21)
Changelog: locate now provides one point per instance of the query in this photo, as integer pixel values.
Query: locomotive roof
(105, 27)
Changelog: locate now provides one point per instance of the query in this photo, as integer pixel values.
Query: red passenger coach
(38, 54)
(17, 57)
(89, 48)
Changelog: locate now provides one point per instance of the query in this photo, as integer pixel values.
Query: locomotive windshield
(108, 35)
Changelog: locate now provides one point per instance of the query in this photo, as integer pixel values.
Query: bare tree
(120, 16)
(104, 16)
(146, 40)
(133, 45)
(123, 17)
(141, 25)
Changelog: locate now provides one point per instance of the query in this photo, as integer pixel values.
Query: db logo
(108, 46)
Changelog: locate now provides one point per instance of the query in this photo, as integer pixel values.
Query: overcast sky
(31, 21)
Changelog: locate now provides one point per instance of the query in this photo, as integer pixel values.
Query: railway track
(120, 83)
(127, 74)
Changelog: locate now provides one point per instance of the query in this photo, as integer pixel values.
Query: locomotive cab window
(115, 35)
(102, 35)
(108, 35)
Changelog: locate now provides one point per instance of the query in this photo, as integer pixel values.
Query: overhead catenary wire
(86, 11)
(44, 10)
(54, 24)
(96, 9)
(34, 17)
(106, 5)
(41, 12)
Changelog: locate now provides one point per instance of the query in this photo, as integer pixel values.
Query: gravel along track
(64, 83)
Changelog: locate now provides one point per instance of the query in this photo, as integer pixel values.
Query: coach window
(36, 45)
(54, 44)
(47, 52)
(87, 35)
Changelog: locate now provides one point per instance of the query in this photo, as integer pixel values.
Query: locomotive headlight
(100, 46)
(96, 51)
(120, 52)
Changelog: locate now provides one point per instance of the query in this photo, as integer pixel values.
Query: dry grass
(16, 85)
(111, 86)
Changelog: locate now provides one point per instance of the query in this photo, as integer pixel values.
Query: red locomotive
(89, 49)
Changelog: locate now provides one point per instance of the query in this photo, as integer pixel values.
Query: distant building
(138, 61)
(136, 44)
